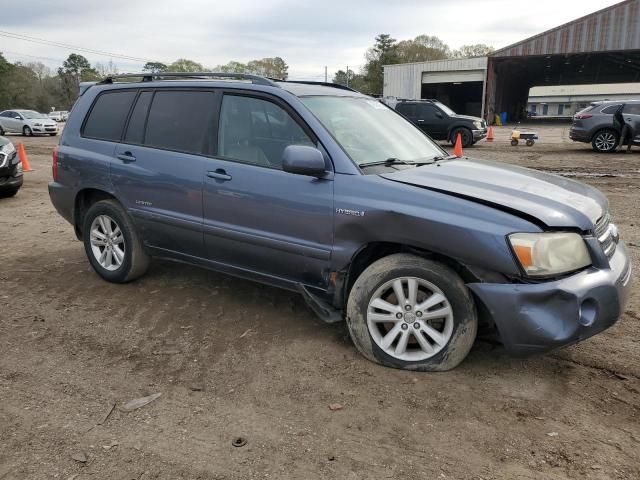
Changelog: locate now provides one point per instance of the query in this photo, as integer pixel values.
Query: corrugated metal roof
(450, 64)
(598, 89)
(614, 28)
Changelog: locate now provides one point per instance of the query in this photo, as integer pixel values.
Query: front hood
(552, 200)
(467, 117)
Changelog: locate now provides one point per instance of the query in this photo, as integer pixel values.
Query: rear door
(631, 113)
(159, 166)
(257, 217)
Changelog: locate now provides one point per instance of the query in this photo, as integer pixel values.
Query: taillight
(54, 164)
(583, 116)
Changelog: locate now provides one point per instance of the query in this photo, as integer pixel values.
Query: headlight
(477, 124)
(545, 254)
(8, 149)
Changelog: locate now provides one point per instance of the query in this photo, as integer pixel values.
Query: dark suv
(595, 124)
(325, 191)
(440, 122)
(10, 169)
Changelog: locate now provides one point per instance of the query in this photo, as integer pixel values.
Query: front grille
(607, 234)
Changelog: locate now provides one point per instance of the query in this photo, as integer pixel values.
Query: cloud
(307, 34)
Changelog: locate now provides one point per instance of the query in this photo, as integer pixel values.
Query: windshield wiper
(395, 161)
(442, 157)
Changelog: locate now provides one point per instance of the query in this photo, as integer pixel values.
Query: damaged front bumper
(536, 318)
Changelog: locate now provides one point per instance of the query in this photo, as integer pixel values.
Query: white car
(27, 122)
(59, 115)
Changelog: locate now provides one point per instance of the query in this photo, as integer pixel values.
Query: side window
(135, 129)
(107, 117)
(426, 112)
(6, 114)
(256, 131)
(632, 108)
(180, 120)
(611, 109)
(407, 109)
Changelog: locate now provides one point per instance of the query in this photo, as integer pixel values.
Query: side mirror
(439, 115)
(303, 160)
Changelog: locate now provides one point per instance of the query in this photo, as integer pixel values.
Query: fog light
(588, 312)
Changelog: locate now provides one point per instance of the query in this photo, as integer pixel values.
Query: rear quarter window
(611, 109)
(108, 115)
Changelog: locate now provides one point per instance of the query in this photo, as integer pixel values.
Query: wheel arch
(83, 201)
(373, 251)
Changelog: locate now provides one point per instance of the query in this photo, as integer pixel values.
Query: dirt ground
(232, 358)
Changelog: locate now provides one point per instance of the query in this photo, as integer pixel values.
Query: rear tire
(432, 330)
(1, 131)
(465, 133)
(605, 141)
(112, 244)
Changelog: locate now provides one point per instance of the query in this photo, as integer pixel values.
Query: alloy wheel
(605, 141)
(410, 319)
(107, 242)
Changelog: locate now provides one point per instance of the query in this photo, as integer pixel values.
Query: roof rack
(323, 84)
(149, 77)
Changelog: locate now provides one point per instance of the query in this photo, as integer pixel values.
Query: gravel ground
(235, 359)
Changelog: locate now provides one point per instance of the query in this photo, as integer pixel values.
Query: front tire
(408, 312)
(605, 141)
(27, 132)
(112, 244)
(465, 134)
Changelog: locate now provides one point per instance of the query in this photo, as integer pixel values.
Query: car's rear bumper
(63, 199)
(579, 135)
(536, 318)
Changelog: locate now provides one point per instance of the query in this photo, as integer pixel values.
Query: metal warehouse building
(603, 47)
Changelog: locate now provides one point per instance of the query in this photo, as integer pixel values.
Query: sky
(308, 35)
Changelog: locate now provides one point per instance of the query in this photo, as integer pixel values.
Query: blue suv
(319, 189)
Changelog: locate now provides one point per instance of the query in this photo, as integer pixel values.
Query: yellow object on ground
(498, 121)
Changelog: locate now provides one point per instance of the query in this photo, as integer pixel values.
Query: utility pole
(347, 75)
(325, 74)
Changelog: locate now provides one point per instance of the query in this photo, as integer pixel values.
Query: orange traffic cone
(23, 158)
(490, 135)
(457, 149)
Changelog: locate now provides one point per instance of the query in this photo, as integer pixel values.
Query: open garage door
(462, 91)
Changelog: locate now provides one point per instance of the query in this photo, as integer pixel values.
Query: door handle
(126, 157)
(420, 121)
(219, 174)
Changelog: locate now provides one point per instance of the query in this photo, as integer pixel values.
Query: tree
(79, 68)
(233, 67)
(423, 48)
(477, 50)
(383, 52)
(356, 81)
(155, 67)
(274, 67)
(185, 65)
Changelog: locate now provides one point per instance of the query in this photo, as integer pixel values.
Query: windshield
(30, 114)
(445, 109)
(370, 132)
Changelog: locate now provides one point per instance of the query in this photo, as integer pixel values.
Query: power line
(27, 38)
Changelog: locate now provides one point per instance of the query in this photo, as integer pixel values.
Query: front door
(158, 169)
(430, 120)
(257, 217)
